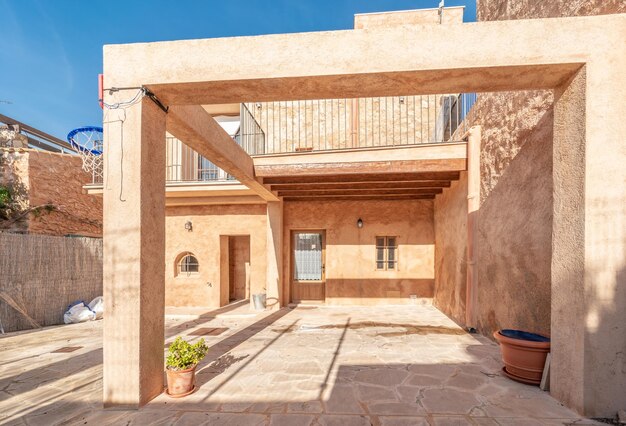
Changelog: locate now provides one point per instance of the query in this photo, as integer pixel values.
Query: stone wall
(500, 10)
(50, 186)
(58, 179)
(291, 126)
(14, 177)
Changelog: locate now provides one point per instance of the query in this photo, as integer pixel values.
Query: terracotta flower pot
(181, 383)
(524, 355)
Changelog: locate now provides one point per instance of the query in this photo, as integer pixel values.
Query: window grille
(188, 265)
(386, 253)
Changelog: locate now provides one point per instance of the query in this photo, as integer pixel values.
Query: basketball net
(87, 141)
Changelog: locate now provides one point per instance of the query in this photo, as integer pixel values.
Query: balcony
(297, 127)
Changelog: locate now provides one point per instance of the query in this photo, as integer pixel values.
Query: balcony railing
(330, 124)
(267, 128)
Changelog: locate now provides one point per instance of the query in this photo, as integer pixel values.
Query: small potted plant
(182, 359)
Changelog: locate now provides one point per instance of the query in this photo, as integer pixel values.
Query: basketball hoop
(87, 141)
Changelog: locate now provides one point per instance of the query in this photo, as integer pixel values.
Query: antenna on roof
(440, 11)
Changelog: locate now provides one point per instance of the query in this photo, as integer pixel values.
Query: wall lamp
(188, 226)
(359, 223)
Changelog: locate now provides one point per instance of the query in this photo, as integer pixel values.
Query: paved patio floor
(345, 366)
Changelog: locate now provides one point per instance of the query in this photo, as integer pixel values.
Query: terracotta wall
(208, 224)
(42, 178)
(450, 250)
(351, 274)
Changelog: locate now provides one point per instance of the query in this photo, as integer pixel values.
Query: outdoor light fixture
(359, 223)
(188, 226)
(401, 99)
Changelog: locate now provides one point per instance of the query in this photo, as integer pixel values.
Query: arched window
(187, 264)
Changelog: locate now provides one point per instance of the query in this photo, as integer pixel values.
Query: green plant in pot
(181, 362)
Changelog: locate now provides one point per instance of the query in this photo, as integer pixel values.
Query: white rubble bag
(78, 312)
(97, 307)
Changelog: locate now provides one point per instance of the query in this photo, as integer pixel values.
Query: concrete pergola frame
(582, 59)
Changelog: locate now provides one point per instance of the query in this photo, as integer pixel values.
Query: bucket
(259, 301)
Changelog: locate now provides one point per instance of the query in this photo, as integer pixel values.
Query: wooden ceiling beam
(363, 177)
(361, 185)
(362, 198)
(357, 192)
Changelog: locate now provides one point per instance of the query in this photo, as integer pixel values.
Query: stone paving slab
(392, 365)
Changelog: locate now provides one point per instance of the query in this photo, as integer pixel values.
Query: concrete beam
(539, 53)
(198, 130)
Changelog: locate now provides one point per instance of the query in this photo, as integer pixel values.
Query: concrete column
(134, 252)
(274, 254)
(588, 324)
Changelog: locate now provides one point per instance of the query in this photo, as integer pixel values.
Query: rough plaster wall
(514, 239)
(351, 275)
(451, 250)
(513, 246)
(209, 223)
(58, 179)
(44, 274)
(14, 175)
(500, 10)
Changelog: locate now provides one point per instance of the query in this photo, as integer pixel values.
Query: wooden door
(308, 278)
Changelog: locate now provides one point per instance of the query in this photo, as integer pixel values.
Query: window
(188, 265)
(308, 263)
(386, 253)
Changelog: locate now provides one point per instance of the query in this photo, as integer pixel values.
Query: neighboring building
(43, 179)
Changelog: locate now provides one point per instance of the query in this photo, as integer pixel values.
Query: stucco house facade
(356, 167)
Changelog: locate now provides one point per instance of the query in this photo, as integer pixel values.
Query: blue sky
(51, 50)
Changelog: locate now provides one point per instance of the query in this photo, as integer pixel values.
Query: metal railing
(38, 139)
(183, 164)
(331, 124)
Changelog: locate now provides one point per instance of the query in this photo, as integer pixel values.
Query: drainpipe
(473, 204)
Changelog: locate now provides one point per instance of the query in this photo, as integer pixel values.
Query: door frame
(292, 262)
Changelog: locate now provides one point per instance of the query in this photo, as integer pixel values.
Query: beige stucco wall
(450, 15)
(209, 223)
(351, 275)
(450, 221)
(46, 178)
